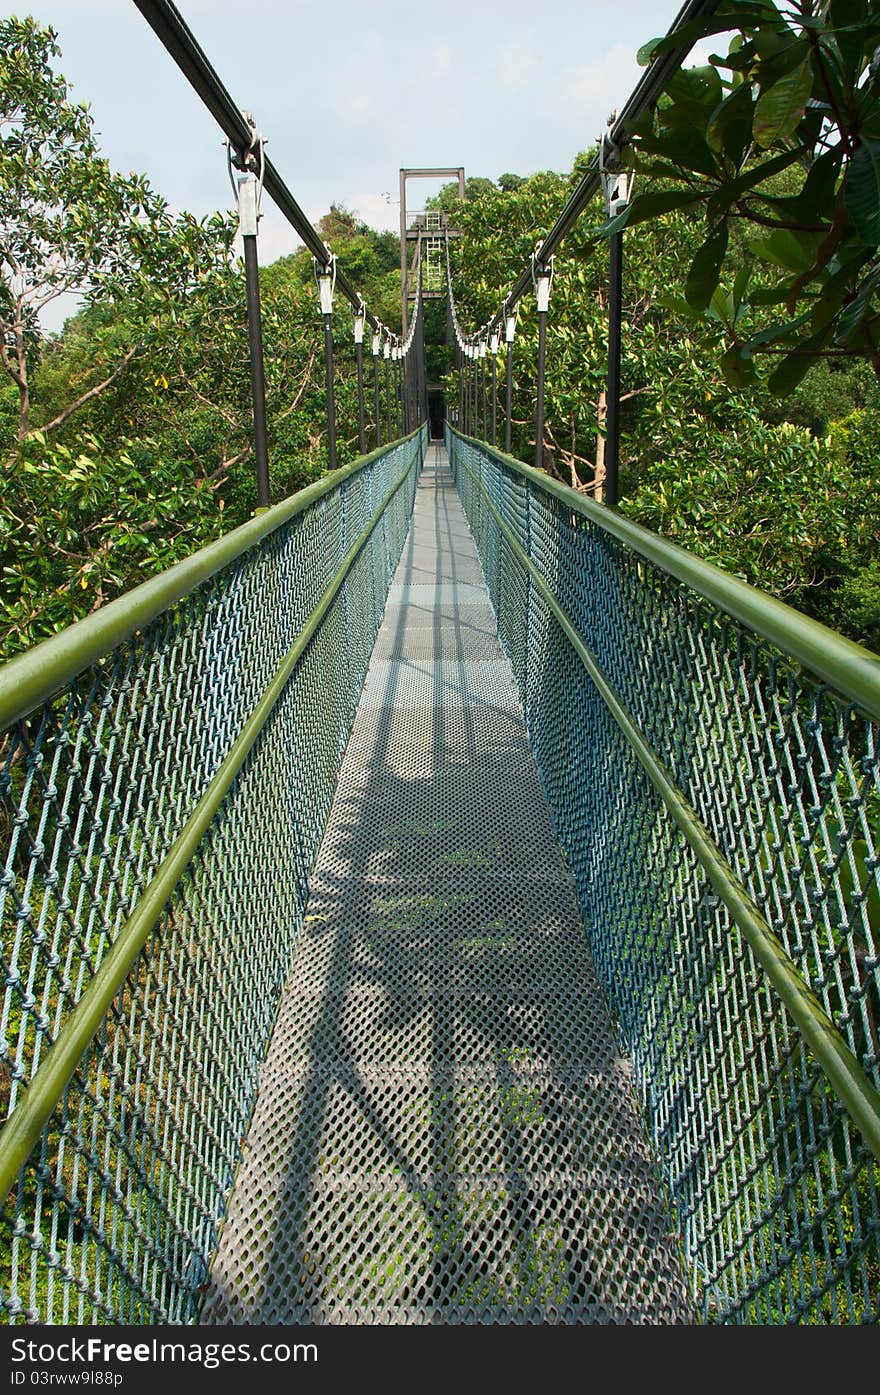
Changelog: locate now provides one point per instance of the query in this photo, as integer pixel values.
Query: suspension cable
(643, 96)
(173, 32)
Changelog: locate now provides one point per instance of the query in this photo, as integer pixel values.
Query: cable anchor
(247, 187)
(325, 279)
(542, 278)
(616, 183)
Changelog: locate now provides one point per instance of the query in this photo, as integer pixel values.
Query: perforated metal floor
(445, 1131)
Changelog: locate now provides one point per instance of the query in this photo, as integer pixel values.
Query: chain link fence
(720, 810)
(162, 798)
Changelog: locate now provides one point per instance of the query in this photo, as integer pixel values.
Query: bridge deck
(445, 1130)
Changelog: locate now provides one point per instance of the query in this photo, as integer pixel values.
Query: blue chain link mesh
(114, 1217)
(773, 1191)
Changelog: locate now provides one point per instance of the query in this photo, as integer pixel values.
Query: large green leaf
(863, 192)
(682, 144)
(751, 178)
(793, 251)
(780, 107)
(695, 92)
(771, 333)
(702, 278)
(723, 23)
(645, 206)
(812, 203)
(794, 367)
(791, 371)
(737, 370)
(853, 314)
(730, 125)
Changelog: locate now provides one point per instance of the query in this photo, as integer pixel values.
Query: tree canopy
(777, 490)
(797, 93)
(126, 438)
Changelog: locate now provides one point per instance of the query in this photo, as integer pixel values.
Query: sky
(346, 93)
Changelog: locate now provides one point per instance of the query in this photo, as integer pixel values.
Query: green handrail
(843, 1070)
(24, 1126)
(846, 666)
(33, 677)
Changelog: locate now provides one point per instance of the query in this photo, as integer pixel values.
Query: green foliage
(66, 544)
(779, 492)
(69, 224)
(127, 437)
(796, 93)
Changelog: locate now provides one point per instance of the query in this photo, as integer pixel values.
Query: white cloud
(515, 64)
(596, 89)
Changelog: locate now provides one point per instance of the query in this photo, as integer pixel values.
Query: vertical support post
(485, 401)
(401, 394)
(404, 252)
(509, 331)
(612, 389)
(359, 350)
(377, 344)
(422, 413)
(493, 350)
(407, 391)
(387, 354)
(617, 187)
(475, 378)
(460, 421)
(539, 390)
(326, 277)
(542, 276)
(248, 214)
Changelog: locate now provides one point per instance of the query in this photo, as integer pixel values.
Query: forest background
(751, 398)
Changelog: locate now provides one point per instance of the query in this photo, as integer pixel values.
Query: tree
(65, 220)
(126, 438)
(448, 199)
(797, 92)
(68, 224)
(781, 493)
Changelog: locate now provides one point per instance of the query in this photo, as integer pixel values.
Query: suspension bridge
(440, 900)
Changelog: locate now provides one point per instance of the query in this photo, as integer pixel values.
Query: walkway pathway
(445, 1131)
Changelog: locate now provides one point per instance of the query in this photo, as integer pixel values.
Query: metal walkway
(445, 1131)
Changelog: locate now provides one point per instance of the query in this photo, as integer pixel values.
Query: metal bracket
(542, 279)
(616, 183)
(326, 280)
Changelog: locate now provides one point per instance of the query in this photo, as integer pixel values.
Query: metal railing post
(509, 331)
(377, 406)
(326, 278)
(359, 350)
(387, 354)
(460, 353)
(493, 350)
(248, 216)
(542, 276)
(617, 187)
(612, 387)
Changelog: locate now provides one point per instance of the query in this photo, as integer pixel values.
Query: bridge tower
(430, 228)
(426, 230)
